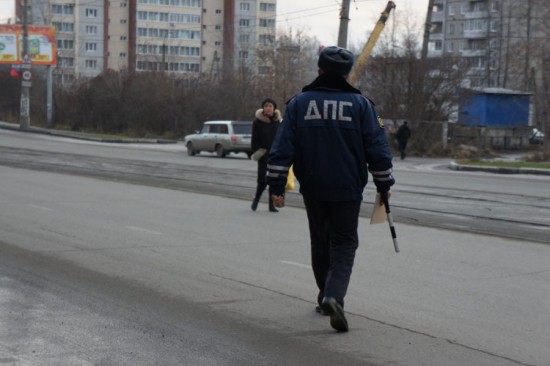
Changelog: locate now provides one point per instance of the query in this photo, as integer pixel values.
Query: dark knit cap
(269, 100)
(335, 60)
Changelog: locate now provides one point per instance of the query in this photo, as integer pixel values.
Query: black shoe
(254, 205)
(272, 206)
(321, 311)
(337, 319)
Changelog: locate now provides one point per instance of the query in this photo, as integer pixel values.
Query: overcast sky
(321, 17)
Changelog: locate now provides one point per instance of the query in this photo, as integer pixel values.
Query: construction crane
(367, 49)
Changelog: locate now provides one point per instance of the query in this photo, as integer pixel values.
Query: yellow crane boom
(367, 49)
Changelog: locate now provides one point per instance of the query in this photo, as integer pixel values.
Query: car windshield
(242, 129)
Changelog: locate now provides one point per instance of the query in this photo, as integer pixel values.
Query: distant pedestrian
(264, 128)
(334, 137)
(402, 136)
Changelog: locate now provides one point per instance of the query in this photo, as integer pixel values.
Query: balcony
(475, 33)
(438, 16)
(483, 14)
(473, 53)
(435, 53)
(436, 36)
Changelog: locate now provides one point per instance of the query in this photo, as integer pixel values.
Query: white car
(221, 137)
(537, 138)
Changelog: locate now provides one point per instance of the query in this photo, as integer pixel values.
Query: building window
(122, 38)
(65, 61)
(123, 4)
(91, 64)
(218, 11)
(65, 44)
(218, 27)
(244, 22)
(91, 13)
(264, 70)
(244, 6)
(243, 54)
(451, 28)
(270, 23)
(65, 9)
(267, 38)
(451, 10)
(63, 27)
(180, 18)
(90, 47)
(122, 54)
(122, 21)
(438, 46)
(267, 7)
(91, 29)
(244, 38)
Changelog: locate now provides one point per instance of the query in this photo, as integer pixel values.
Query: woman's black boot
(272, 206)
(254, 205)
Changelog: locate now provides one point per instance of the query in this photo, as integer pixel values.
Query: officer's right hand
(278, 201)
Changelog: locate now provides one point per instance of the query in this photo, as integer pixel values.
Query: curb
(498, 170)
(83, 136)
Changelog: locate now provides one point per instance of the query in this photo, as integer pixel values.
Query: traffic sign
(26, 75)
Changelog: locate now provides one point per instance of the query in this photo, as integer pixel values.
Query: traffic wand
(384, 197)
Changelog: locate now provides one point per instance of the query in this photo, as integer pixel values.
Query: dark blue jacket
(333, 136)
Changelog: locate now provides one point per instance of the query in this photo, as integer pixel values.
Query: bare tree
(293, 58)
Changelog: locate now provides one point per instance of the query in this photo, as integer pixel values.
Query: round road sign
(26, 75)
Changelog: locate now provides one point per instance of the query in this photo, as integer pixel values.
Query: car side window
(205, 129)
(223, 129)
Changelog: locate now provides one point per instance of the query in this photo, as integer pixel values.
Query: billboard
(41, 41)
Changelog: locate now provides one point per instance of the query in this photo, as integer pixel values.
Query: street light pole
(344, 20)
(24, 118)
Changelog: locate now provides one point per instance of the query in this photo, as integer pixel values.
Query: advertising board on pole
(42, 47)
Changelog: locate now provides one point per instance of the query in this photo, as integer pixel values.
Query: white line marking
(301, 265)
(39, 207)
(136, 228)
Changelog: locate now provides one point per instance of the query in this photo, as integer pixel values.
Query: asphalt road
(427, 192)
(96, 271)
(106, 273)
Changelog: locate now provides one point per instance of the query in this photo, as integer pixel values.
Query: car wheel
(190, 149)
(220, 152)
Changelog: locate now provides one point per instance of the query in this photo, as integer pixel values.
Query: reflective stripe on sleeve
(277, 171)
(381, 173)
(279, 168)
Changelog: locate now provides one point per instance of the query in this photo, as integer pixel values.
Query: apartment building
(182, 37)
(499, 39)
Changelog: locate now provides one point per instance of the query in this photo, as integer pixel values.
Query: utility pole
(24, 118)
(427, 29)
(344, 21)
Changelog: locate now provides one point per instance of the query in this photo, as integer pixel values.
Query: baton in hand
(384, 197)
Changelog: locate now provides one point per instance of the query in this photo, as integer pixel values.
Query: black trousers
(261, 177)
(334, 241)
(402, 148)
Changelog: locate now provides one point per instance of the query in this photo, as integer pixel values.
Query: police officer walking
(334, 137)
